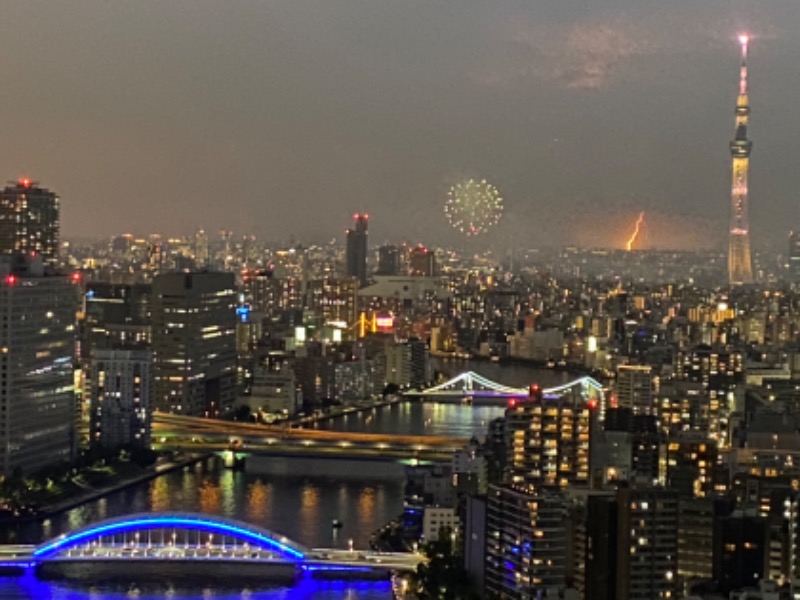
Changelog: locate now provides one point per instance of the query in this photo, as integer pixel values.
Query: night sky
(279, 117)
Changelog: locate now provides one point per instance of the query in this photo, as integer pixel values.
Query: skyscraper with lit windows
(194, 343)
(548, 450)
(38, 410)
(29, 221)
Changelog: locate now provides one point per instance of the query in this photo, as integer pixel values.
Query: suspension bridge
(474, 385)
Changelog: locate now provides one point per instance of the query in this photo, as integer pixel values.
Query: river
(299, 507)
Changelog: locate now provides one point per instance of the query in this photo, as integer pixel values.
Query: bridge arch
(245, 532)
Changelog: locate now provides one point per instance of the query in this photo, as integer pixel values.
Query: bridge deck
(316, 559)
(167, 423)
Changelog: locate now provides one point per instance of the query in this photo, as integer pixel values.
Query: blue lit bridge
(194, 543)
(474, 385)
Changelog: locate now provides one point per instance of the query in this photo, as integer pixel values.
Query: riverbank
(92, 493)
(339, 411)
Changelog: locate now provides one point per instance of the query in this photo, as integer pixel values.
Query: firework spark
(473, 206)
(635, 233)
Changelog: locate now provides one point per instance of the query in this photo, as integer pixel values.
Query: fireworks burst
(473, 206)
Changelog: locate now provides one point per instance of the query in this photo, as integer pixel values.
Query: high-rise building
(740, 266)
(114, 316)
(720, 371)
(121, 245)
(741, 550)
(120, 398)
(333, 300)
(793, 255)
(357, 249)
(525, 543)
(421, 262)
(194, 343)
(29, 221)
(693, 469)
(316, 377)
(635, 388)
(695, 539)
(548, 449)
(201, 252)
(388, 260)
(549, 441)
(632, 545)
(38, 412)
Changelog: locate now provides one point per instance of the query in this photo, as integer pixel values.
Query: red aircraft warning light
(535, 392)
(592, 404)
(11, 280)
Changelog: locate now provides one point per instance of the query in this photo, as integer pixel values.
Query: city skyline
(258, 117)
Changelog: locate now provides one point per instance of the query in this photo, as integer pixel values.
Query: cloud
(579, 50)
(581, 55)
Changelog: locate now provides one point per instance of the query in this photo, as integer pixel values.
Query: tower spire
(744, 40)
(740, 267)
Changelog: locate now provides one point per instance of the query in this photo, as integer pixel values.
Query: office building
(475, 540)
(692, 466)
(333, 301)
(201, 251)
(421, 262)
(632, 545)
(38, 411)
(696, 518)
(29, 221)
(194, 343)
(121, 384)
(470, 471)
(356, 256)
(741, 550)
(115, 316)
(634, 388)
(316, 376)
(526, 543)
(793, 256)
(388, 260)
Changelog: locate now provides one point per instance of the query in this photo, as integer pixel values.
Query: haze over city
(285, 117)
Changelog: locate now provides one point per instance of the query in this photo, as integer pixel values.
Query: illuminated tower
(740, 267)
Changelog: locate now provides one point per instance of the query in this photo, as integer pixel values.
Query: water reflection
(159, 494)
(366, 504)
(259, 500)
(209, 497)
